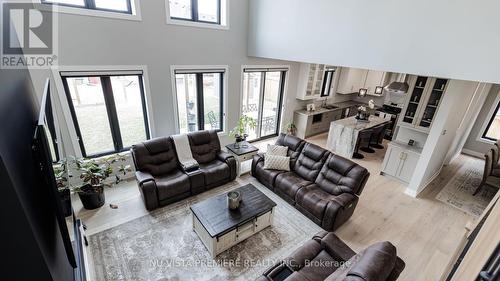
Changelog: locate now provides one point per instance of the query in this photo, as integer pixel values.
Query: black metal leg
(367, 150)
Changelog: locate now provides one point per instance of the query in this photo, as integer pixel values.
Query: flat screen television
(44, 152)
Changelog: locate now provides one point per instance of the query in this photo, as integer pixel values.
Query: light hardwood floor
(425, 231)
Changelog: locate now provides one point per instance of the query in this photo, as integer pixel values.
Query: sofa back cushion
(310, 161)
(205, 145)
(293, 143)
(156, 156)
(340, 175)
(375, 263)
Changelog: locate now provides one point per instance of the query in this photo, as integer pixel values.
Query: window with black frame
(109, 111)
(203, 11)
(118, 6)
(492, 131)
(199, 96)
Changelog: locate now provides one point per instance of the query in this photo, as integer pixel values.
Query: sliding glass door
(262, 98)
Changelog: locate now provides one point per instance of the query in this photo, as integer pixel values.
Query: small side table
(245, 152)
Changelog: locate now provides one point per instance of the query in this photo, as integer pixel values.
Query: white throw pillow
(276, 162)
(276, 150)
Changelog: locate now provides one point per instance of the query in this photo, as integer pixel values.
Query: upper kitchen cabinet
(423, 102)
(311, 80)
(353, 79)
(373, 80)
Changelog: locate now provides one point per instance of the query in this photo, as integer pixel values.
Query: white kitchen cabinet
(400, 161)
(373, 80)
(310, 81)
(351, 80)
(423, 102)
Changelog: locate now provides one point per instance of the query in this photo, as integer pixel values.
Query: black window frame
(485, 132)
(194, 14)
(262, 96)
(200, 98)
(325, 89)
(90, 5)
(109, 102)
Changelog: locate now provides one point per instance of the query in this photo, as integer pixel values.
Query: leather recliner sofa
(323, 186)
(328, 258)
(159, 174)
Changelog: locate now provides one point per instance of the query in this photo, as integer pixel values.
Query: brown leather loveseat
(323, 186)
(159, 174)
(328, 258)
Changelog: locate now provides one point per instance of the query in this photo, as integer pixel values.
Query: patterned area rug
(458, 192)
(163, 246)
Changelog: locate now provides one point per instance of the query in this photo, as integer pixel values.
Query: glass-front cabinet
(423, 102)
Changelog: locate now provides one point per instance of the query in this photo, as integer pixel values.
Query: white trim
(479, 137)
(225, 80)
(196, 24)
(411, 192)
(135, 16)
(285, 68)
(100, 69)
(473, 153)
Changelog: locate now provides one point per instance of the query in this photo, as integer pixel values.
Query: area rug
(458, 192)
(163, 246)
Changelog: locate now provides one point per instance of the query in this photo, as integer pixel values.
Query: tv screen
(44, 150)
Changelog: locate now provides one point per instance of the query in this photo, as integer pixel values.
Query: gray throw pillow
(275, 162)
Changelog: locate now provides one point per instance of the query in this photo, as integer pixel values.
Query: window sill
(94, 13)
(197, 24)
(487, 141)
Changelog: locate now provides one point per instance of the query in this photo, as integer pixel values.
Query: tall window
(492, 131)
(199, 100)
(327, 82)
(262, 99)
(120, 6)
(109, 111)
(203, 11)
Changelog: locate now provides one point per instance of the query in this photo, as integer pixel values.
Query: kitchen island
(343, 134)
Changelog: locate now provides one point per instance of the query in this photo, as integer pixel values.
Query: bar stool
(376, 132)
(364, 137)
(381, 135)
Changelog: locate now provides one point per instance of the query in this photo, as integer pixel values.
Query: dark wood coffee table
(221, 228)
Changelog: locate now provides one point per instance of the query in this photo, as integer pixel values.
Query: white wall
(96, 41)
(446, 122)
(445, 38)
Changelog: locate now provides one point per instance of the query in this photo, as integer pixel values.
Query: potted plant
(291, 129)
(245, 123)
(93, 174)
(61, 175)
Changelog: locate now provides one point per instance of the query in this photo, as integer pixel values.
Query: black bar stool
(364, 137)
(380, 138)
(376, 131)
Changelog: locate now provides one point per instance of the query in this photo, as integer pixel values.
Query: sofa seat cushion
(289, 183)
(172, 184)
(314, 200)
(267, 177)
(215, 171)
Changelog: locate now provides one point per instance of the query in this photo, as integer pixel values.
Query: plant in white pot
(94, 174)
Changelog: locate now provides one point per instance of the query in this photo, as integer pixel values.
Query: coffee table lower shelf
(220, 243)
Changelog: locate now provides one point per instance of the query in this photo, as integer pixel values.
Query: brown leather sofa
(328, 258)
(323, 186)
(159, 174)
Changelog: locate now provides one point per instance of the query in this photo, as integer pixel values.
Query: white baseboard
(472, 153)
(411, 192)
(414, 193)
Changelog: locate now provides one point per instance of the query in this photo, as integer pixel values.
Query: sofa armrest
(143, 177)
(279, 271)
(230, 161)
(259, 157)
(336, 247)
(149, 194)
(339, 210)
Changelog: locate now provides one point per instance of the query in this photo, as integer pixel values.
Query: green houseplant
(63, 187)
(93, 173)
(291, 129)
(240, 132)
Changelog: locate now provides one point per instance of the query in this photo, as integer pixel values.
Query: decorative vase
(92, 197)
(233, 200)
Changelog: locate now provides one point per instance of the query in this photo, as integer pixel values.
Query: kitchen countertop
(339, 105)
(406, 146)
